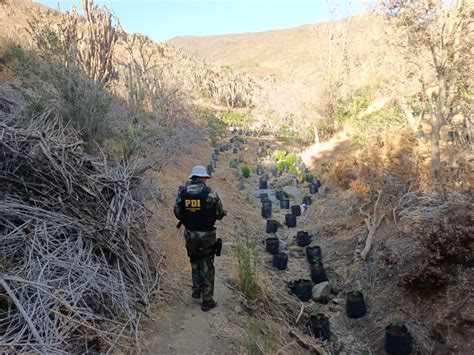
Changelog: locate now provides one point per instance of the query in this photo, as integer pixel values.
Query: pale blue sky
(165, 19)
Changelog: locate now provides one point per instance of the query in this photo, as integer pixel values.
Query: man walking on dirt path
(198, 207)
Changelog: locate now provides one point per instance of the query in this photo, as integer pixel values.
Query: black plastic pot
(303, 289)
(222, 149)
(280, 195)
(285, 204)
(241, 159)
(266, 212)
(319, 325)
(262, 184)
(317, 182)
(264, 197)
(280, 261)
(215, 157)
(233, 164)
(216, 151)
(355, 305)
(313, 254)
(274, 172)
(451, 136)
(302, 238)
(313, 188)
(285, 169)
(267, 204)
(231, 140)
(214, 164)
(290, 220)
(209, 170)
(307, 200)
(259, 170)
(272, 226)
(318, 274)
(309, 178)
(278, 173)
(296, 210)
(271, 245)
(210, 167)
(398, 341)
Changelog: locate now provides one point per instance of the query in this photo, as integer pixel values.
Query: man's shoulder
(212, 192)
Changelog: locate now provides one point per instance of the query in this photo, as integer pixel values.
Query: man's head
(199, 172)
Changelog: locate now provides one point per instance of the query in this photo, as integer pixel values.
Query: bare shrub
(447, 244)
(86, 41)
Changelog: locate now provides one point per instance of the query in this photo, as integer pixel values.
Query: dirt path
(182, 328)
(185, 329)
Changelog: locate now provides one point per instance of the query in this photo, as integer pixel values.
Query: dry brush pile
(76, 271)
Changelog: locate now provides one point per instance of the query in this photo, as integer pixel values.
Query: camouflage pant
(200, 251)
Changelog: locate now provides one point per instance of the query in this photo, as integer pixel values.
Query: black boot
(208, 305)
(196, 294)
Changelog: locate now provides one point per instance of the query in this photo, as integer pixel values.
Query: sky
(164, 19)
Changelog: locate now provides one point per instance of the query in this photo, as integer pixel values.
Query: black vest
(196, 214)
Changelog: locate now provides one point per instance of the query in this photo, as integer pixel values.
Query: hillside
(296, 63)
(290, 54)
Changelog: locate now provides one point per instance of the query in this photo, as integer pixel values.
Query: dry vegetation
(76, 268)
(86, 110)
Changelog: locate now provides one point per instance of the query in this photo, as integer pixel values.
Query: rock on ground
(321, 291)
(293, 192)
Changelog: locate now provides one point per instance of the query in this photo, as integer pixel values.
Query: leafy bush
(246, 171)
(279, 155)
(281, 165)
(79, 101)
(291, 158)
(350, 108)
(236, 119)
(368, 127)
(82, 103)
(214, 125)
(293, 170)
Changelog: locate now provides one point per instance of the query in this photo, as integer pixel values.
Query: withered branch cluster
(76, 271)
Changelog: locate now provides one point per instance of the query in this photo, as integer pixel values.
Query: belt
(210, 229)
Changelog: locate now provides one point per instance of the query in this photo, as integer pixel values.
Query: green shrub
(236, 119)
(279, 155)
(291, 158)
(281, 165)
(381, 120)
(247, 265)
(246, 171)
(79, 101)
(302, 177)
(293, 170)
(214, 125)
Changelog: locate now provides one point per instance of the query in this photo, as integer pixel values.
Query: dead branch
(372, 222)
(304, 344)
